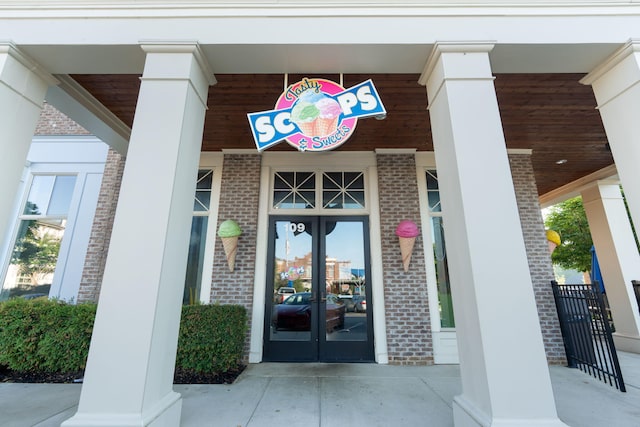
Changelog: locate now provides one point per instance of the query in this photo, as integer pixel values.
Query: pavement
(335, 395)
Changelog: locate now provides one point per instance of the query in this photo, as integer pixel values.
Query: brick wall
(538, 254)
(101, 230)
(409, 336)
(239, 194)
(53, 122)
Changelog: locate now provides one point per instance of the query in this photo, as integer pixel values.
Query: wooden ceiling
(552, 114)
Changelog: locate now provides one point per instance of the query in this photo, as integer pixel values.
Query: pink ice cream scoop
(329, 108)
(407, 229)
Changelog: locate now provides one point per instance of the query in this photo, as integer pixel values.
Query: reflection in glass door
(318, 290)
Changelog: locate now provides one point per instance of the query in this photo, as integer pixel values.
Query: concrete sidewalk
(291, 395)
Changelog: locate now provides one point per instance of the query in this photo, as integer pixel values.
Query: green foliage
(211, 338)
(44, 335)
(53, 337)
(570, 221)
(36, 251)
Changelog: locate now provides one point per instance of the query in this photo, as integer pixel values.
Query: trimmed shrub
(53, 337)
(211, 338)
(44, 335)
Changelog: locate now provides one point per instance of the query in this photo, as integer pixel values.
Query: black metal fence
(586, 331)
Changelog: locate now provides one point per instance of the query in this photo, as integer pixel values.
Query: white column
(618, 257)
(504, 372)
(23, 85)
(129, 375)
(616, 85)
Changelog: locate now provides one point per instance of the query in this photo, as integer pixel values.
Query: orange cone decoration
(407, 231)
(406, 249)
(229, 232)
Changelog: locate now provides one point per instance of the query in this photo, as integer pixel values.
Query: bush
(211, 338)
(53, 337)
(43, 335)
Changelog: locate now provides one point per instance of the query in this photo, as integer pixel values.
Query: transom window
(326, 190)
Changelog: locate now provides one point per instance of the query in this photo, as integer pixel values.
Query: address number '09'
(299, 227)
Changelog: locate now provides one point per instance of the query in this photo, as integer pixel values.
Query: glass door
(318, 293)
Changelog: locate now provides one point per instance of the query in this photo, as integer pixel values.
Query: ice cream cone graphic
(406, 249)
(407, 231)
(229, 232)
(230, 245)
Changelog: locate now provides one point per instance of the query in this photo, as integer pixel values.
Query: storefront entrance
(318, 302)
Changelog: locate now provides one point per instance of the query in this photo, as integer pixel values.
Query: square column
(504, 372)
(23, 85)
(129, 375)
(616, 85)
(618, 257)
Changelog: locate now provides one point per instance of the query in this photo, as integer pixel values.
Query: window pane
(331, 180)
(354, 180)
(308, 198)
(305, 180)
(283, 200)
(434, 201)
(354, 200)
(442, 274)
(205, 179)
(283, 180)
(432, 180)
(202, 201)
(61, 196)
(332, 199)
(33, 259)
(39, 193)
(193, 279)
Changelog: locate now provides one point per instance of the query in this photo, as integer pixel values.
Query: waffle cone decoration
(229, 232)
(407, 231)
(230, 245)
(406, 249)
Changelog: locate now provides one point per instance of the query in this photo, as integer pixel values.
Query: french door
(318, 302)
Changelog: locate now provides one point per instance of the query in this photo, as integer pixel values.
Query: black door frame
(317, 348)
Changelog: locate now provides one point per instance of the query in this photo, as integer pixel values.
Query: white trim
(213, 161)
(377, 277)
(260, 282)
(76, 102)
(523, 151)
(334, 160)
(574, 188)
(240, 151)
(395, 150)
(445, 343)
(320, 162)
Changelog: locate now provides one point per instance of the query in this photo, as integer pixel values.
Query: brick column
(239, 194)
(540, 267)
(409, 340)
(98, 247)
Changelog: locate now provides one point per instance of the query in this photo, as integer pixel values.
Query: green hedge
(53, 337)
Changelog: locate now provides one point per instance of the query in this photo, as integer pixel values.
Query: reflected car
(282, 294)
(294, 314)
(355, 303)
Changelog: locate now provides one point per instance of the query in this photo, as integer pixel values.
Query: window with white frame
(313, 190)
(197, 242)
(439, 251)
(41, 227)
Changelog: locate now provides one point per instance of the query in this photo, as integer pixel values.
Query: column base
(466, 414)
(166, 413)
(623, 342)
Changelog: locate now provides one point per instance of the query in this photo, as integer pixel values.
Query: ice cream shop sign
(315, 115)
